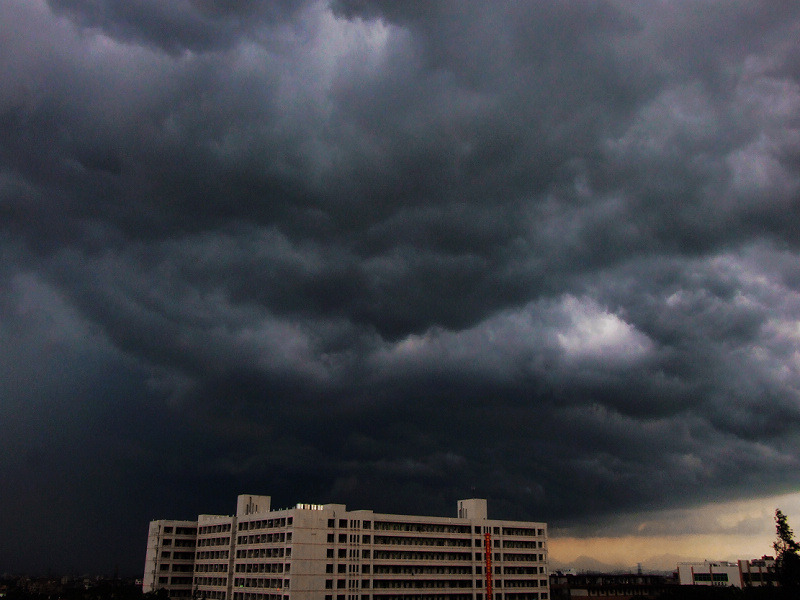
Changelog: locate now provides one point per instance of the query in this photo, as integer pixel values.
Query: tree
(787, 559)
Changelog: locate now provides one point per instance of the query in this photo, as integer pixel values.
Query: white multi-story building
(743, 573)
(325, 552)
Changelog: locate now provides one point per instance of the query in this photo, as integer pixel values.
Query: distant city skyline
(726, 531)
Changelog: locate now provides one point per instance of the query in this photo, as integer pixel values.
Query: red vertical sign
(488, 552)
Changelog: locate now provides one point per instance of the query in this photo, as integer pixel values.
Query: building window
(342, 522)
(329, 568)
(331, 522)
(367, 524)
(329, 553)
(342, 552)
(342, 568)
(342, 538)
(329, 584)
(330, 538)
(340, 584)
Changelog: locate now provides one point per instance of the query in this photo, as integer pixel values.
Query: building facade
(609, 585)
(743, 573)
(170, 557)
(325, 552)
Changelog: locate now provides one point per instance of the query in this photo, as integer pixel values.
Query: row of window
(354, 524)
(421, 541)
(264, 538)
(175, 581)
(260, 582)
(422, 570)
(258, 596)
(428, 596)
(211, 568)
(214, 594)
(438, 596)
(180, 530)
(711, 577)
(419, 583)
(220, 528)
(262, 568)
(211, 581)
(178, 543)
(265, 523)
(212, 554)
(521, 557)
(264, 553)
(427, 569)
(215, 541)
(345, 553)
(423, 527)
(523, 531)
(178, 555)
(419, 555)
(522, 570)
(521, 544)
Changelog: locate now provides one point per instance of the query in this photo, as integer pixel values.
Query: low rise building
(743, 573)
(325, 552)
(620, 586)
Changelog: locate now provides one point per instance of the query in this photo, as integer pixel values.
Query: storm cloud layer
(392, 254)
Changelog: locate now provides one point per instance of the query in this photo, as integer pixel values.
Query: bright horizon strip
(714, 537)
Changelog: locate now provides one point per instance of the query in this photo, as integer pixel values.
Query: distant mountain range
(661, 564)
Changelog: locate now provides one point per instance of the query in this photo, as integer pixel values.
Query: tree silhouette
(786, 554)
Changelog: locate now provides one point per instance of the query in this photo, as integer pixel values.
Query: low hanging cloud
(393, 254)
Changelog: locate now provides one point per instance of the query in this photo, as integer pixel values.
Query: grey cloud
(193, 25)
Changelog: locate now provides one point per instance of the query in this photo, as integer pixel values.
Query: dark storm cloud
(196, 25)
(547, 251)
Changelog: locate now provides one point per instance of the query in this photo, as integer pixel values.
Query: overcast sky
(393, 254)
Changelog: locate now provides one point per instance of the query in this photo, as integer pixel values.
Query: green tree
(786, 554)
